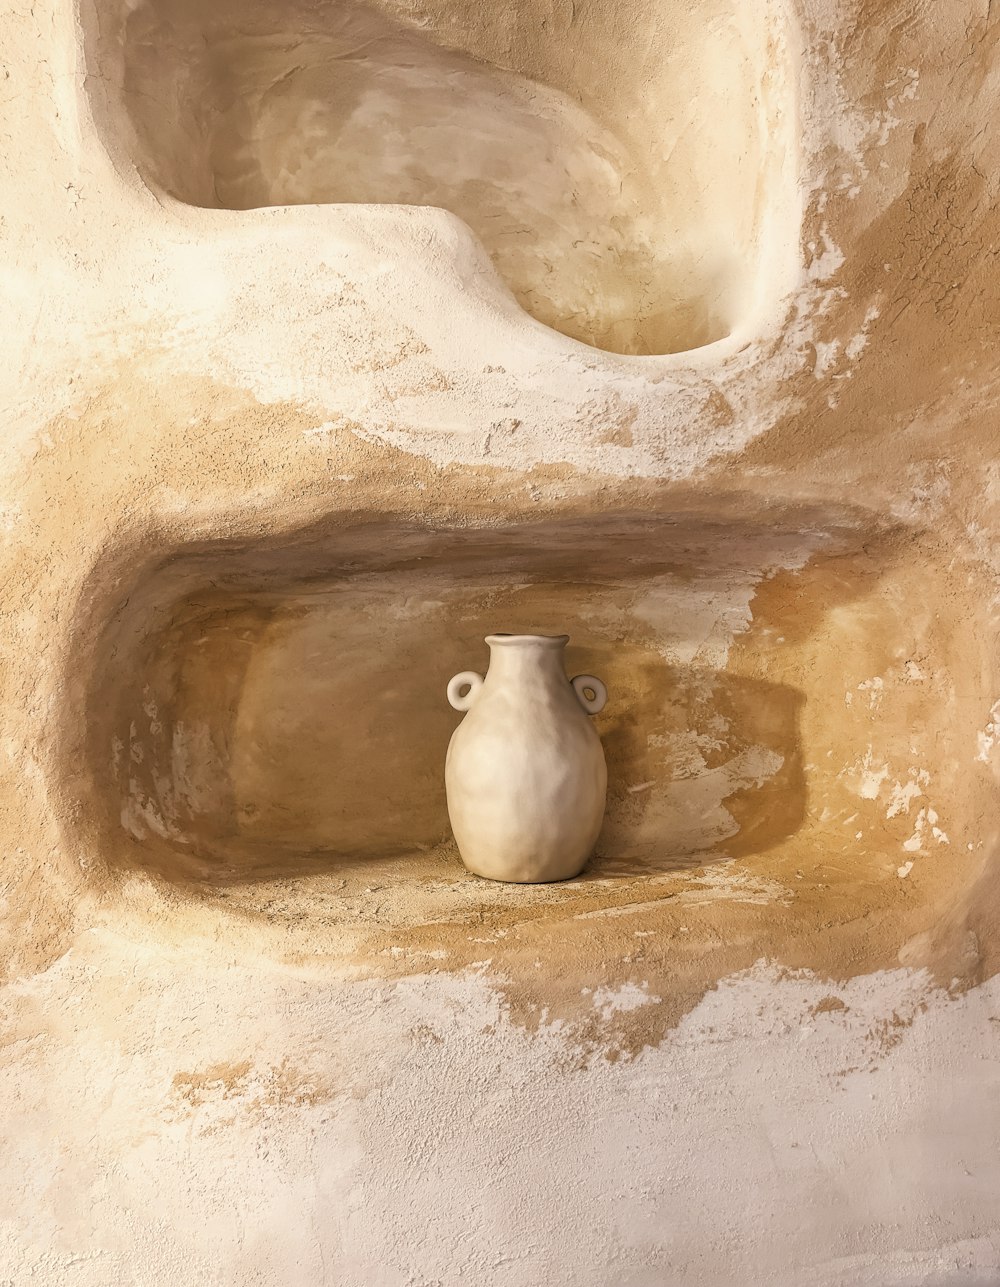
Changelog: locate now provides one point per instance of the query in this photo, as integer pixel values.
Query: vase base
(538, 878)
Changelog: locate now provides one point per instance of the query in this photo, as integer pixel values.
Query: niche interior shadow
(266, 713)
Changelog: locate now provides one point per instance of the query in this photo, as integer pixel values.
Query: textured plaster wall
(247, 1037)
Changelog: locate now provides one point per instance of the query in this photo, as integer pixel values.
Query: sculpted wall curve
(632, 181)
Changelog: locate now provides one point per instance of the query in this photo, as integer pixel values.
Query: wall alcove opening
(626, 171)
(268, 722)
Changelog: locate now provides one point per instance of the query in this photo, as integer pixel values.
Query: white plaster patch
(10, 516)
(929, 490)
(874, 688)
(865, 776)
(925, 828)
(857, 345)
(691, 807)
(630, 996)
(139, 816)
(712, 614)
(903, 794)
(988, 738)
(198, 775)
(725, 881)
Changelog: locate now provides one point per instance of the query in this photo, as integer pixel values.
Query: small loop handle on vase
(592, 705)
(470, 679)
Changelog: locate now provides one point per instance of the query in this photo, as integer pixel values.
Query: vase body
(525, 774)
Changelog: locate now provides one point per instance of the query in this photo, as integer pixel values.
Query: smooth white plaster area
(225, 1123)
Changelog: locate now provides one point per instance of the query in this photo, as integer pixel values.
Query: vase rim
(504, 640)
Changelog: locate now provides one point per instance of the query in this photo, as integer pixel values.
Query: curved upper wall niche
(630, 169)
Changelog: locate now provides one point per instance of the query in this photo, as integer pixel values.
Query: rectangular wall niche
(632, 180)
(279, 714)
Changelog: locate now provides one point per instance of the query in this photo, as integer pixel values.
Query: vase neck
(528, 658)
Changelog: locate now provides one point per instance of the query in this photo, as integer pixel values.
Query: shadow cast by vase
(702, 763)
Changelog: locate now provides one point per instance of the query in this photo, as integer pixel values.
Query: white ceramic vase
(525, 773)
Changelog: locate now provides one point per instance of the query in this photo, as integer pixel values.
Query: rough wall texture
(270, 473)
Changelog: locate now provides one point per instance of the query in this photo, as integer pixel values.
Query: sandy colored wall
(258, 1025)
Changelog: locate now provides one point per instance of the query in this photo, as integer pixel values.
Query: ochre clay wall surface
(337, 336)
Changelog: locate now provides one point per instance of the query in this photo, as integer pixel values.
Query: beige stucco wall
(251, 1037)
